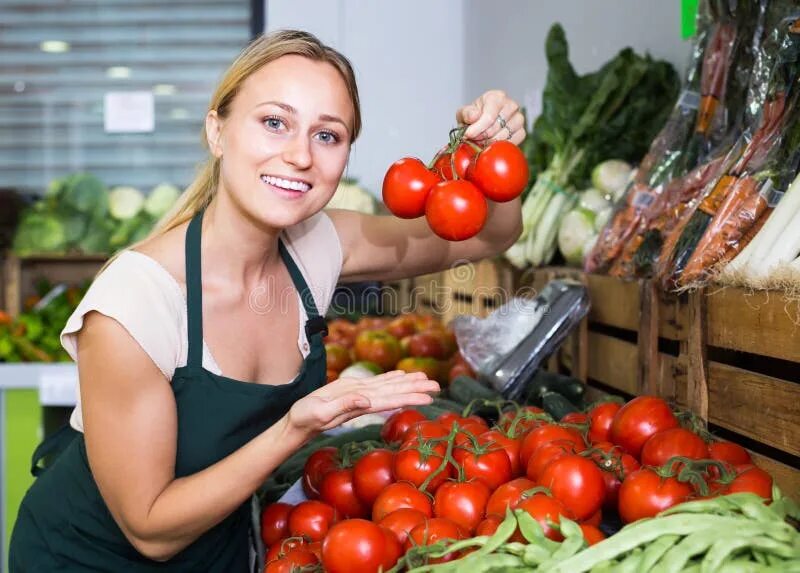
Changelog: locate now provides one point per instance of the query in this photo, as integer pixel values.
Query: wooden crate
(730, 356)
(470, 288)
(20, 274)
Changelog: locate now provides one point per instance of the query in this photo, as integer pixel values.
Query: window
(59, 59)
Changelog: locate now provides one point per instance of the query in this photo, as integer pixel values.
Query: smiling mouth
(286, 184)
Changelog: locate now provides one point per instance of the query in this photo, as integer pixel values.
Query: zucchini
(465, 389)
(571, 388)
(557, 405)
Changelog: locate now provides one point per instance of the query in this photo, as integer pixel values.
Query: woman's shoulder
(168, 250)
(143, 296)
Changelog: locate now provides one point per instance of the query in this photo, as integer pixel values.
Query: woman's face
(285, 141)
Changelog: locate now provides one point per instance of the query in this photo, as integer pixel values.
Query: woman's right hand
(348, 398)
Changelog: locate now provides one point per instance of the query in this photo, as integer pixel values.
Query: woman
(171, 441)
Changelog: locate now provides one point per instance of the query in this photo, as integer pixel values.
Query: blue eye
(273, 123)
(328, 137)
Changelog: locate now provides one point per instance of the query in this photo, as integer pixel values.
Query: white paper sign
(129, 112)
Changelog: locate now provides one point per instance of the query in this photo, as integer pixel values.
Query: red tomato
(396, 425)
(644, 494)
(400, 495)
(312, 519)
(500, 171)
(317, 465)
(639, 419)
(432, 531)
(292, 560)
(511, 447)
(371, 474)
(577, 483)
(616, 465)
(548, 433)
(337, 357)
(416, 461)
(463, 503)
(337, 490)
(751, 479)
(354, 545)
(275, 522)
(430, 366)
(542, 508)
(379, 347)
(406, 187)
(545, 454)
(460, 369)
(427, 345)
(596, 519)
(401, 521)
(392, 551)
(343, 331)
(600, 418)
(280, 549)
(489, 464)
(660, 447)
(426, 430)
(402, 326)
(461, 159)
(591, 534)
(729, 452)
(575, 418)
(456, 210)
(507, 495)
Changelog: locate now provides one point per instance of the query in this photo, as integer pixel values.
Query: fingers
(490, 104)
(468, 114)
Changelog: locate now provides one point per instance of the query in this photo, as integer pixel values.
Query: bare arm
(384, 247)
(130, 426)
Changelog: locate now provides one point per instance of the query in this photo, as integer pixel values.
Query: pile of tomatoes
(453, 190)
(409, 342)
(454, 478)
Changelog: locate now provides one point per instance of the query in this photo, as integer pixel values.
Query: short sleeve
(136, 292)
(314, 244)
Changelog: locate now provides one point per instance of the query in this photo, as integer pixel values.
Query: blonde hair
(260, 52)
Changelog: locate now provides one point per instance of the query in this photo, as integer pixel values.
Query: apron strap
(315, 323)
(194, 292)
(53, 444)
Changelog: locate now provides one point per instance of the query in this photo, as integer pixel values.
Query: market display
(78, 214)
(611, 486)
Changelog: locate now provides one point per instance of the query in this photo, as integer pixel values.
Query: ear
(214, 133)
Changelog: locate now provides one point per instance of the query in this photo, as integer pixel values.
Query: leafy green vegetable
(161, 199)
(39, 233)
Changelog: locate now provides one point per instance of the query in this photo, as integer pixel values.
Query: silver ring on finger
(501, 121)
(510, 133)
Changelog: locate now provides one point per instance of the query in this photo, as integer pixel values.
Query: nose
(298, 152)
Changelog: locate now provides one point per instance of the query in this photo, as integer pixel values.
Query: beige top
(148, 302)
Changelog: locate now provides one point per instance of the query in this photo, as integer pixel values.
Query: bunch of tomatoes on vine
(452, 191)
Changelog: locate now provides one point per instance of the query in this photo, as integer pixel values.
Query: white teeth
(286, 184)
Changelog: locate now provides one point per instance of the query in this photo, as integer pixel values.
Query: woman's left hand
(493, 116)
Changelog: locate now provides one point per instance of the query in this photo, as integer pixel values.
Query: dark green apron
(63, 522)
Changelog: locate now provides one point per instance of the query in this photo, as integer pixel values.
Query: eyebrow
(289, 109)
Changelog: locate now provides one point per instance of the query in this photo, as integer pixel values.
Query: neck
(236, 248)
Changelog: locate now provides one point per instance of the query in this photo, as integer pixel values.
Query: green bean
(481, 540)
(504, 532)
(723, 548)
(643, 532)
(535, 554)
(532, 530)
(747, 566)
(608, 566)
(631, 563)
(573, 543)
(514, 548)
(759, 556)
(693, 544)
(722, 504)
(656, 550)
(482, 564)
